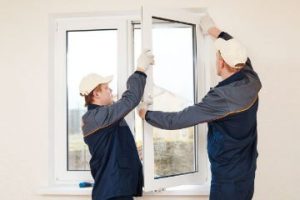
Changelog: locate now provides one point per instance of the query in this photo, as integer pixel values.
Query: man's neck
(99, 103)
(226, 75)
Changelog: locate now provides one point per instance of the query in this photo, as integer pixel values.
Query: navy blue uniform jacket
(115, 164)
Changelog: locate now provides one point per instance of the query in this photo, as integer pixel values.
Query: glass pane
(173, 90)
(93, 51)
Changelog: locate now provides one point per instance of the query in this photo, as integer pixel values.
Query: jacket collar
(235, 77)
(92, 106)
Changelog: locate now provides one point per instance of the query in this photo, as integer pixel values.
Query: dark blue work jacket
(115, 164)
(232, 142)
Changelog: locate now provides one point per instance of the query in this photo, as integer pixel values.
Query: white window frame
(201, 175)
(59, 103)
(57, 88)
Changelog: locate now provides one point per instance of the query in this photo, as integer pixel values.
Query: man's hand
(208, 26)
(142, 113)
(214, 32)
(145, 60)
(143, 107)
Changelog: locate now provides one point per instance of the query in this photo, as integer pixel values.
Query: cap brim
(107, 79)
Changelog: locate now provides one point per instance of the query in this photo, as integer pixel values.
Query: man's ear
(222, 63)
(96, 93)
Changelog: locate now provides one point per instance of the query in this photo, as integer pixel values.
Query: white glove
(145, 60)
(206, 22)
(144, 104)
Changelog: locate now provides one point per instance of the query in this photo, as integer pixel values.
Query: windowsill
(74, 190)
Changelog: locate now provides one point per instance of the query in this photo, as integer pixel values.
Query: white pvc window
(175, 151)
(82, 46)
(111, 45)
(173, 157)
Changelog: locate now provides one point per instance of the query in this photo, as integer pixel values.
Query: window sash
(199, 177)
(61, 174)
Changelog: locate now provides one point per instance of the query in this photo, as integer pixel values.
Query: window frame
(59, 24)
(59, 81)
(201, 176)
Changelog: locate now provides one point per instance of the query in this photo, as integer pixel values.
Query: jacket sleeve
(107, 115)
(213, 106)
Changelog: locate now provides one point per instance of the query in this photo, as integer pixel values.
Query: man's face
(105, 94)
(219, 63)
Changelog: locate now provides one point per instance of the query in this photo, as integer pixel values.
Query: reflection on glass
(173, 77)
(87, 52)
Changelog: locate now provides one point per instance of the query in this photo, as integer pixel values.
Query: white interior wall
(269, 29)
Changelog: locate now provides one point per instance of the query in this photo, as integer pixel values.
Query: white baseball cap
(232, 51)
(91, 81)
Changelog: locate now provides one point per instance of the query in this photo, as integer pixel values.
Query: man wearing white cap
(115, 164)
(230, 110)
